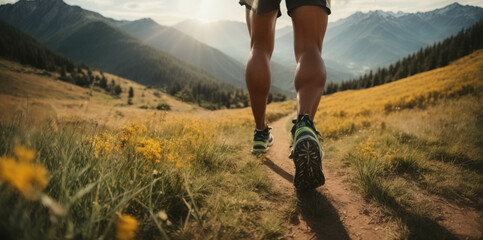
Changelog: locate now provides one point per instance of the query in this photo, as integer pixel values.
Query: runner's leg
(262, 32)
(309, 23)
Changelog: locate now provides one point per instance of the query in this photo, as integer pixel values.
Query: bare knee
(262, 50)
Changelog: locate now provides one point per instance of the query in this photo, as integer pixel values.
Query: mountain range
(378, 38)
(186, 48)
(57, 25)
(153, 54)
(354, 44)
(95, 40)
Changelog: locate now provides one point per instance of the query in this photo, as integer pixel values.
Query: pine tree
(117, 90)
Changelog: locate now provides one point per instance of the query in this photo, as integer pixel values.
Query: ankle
(257, 128)
(304, 116)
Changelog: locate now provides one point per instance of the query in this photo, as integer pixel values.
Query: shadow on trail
(314, 208)
(278, 170)
(417, 226)
(320, 215)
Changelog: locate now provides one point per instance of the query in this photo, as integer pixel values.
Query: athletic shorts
(264, 6)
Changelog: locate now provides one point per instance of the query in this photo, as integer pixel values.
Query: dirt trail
(345, 213)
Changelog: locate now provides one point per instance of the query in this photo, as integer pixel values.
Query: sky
(170, 12)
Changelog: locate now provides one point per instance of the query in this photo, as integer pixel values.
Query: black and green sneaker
(262, 141)
(307, 154)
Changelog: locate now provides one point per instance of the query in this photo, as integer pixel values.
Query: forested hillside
(17, 46)
(88, 37)
(438, 55)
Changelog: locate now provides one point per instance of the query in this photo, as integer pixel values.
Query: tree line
(17, 46)
(438, 55)
(215, 95)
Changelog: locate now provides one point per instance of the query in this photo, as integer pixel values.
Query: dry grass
(410, 140)
(23, 89)
(107, 160)
(346, 112)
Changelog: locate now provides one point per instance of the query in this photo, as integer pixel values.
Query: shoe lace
(308, 122)
(262, 133)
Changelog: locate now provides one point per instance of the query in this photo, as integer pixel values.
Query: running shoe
(306, 154)
(262, 140)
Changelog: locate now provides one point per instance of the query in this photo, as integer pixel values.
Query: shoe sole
(307, 158)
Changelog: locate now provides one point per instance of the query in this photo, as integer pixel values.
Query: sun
(205, 12)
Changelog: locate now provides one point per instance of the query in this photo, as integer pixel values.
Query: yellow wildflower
(129, 131)
(103, 144)
(28, 178)
(176, 152)
(150, 149)
(390, 154)
(171, 151)
(23, 154)
(126, 227)
(367, 150)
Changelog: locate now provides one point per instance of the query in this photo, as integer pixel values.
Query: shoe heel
(307, 158)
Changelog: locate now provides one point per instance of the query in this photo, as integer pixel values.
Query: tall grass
(183, 178)
(408, 141)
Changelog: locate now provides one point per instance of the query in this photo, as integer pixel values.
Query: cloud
(132, 5)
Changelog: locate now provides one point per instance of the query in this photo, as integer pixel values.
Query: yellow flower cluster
(197, 132)
(150, 149)
(129, 132)
(23, 154)
(177, 152)
(126, 227)
(27, 177)
(187, 135)
(389, 157)
(367, 150)
(103, 144)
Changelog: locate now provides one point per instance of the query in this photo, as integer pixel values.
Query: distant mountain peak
(386, 14)
(37, 3)
(146, 20)
(42, 1)
(143, 22)
(455, 4)
(452, 6)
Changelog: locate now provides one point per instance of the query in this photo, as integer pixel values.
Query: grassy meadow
(407, 144)
(97, 167)
(77, 163)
